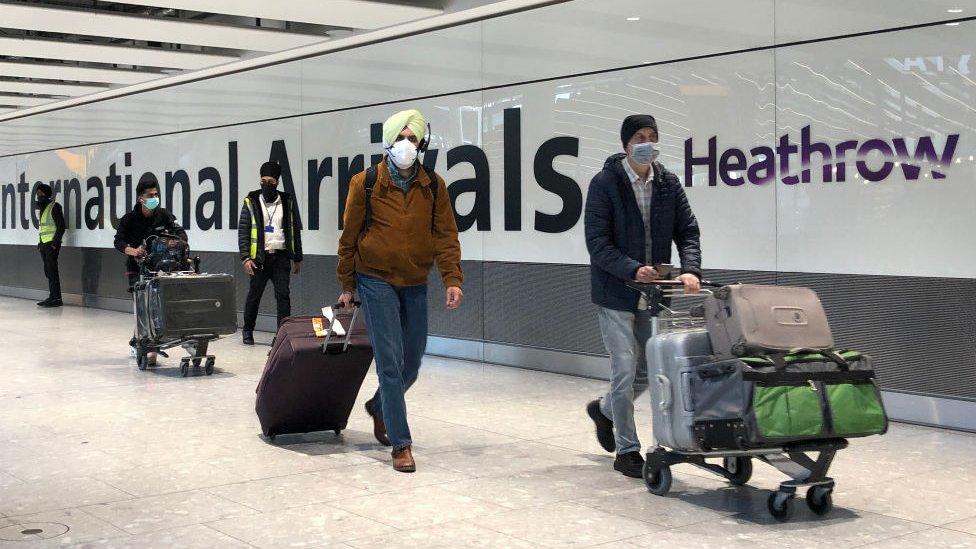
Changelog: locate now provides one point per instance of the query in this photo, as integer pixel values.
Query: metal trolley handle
(335, 319)
(656, 292)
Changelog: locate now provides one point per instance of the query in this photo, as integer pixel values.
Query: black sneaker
(604, 427)
(630, 464)
(248, 337)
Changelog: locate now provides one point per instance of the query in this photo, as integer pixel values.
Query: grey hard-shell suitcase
(672, 360)
(746, 319)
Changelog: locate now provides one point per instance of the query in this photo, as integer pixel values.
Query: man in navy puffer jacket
(635, 209)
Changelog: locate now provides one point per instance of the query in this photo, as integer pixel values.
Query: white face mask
(403, 153)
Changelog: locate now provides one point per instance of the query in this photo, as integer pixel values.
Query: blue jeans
(625, 336)
(396, 317)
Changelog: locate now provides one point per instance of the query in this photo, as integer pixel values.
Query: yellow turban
(404, 119)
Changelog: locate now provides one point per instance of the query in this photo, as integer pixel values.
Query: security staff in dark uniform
(269, 236)
(50, 234)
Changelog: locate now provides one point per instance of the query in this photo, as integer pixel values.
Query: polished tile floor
(94, 453)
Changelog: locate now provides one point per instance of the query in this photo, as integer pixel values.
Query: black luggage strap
(371, 182)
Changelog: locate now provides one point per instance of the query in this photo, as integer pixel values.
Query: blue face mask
(644, 153)
(152, 203)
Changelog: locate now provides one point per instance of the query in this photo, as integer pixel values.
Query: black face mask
(42, 201)
(269, 192)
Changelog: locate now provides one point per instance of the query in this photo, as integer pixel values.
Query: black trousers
(49, 255)
(277, 269)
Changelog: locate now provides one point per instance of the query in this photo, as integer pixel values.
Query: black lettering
(561, 185)
(181, 178)
(279, 154)
(232, 197)
(347, 169)
(35, 221)
(72, 188)
(112, 182)
(9, 193)
(316, 173)
(128, 183)
(512, 168)
(480, 185)
(22, 189)
(95, 207)
(212, 221)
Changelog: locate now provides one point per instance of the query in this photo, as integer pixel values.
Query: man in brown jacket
(398, 221)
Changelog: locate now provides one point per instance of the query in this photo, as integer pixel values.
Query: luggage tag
(333, 325)
(318, 326)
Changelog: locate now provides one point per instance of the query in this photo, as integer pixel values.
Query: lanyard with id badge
(269, 227)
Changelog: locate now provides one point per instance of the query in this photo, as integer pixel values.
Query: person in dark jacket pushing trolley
(635, 209)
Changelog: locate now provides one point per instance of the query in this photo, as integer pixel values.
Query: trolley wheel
(209, 367)
(142, 359)
(820, 500)
(184, 367)
(659, 481)
(740, 468)
(780, 505)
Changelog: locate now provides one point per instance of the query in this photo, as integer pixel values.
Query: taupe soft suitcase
(747, 319)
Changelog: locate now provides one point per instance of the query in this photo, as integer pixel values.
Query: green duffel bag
(755, 402)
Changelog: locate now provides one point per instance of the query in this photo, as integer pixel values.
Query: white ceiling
(56, 49)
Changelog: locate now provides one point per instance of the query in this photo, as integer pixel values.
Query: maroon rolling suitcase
(308, 387)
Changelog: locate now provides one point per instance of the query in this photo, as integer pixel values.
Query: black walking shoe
(53, 303)
(604, 427)
(248, 337)
(630, 464)
(43, 303)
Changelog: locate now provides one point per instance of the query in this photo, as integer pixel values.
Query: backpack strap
(432, 177)
(368, 187)
(371, 182)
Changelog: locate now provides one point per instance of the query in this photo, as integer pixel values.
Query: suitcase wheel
(739, 468)
(658, 481)
(820, 500)
(780, 505)
(184, 367)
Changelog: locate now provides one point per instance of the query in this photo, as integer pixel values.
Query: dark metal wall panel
(541, 305)
(922, 332)
(466, 322)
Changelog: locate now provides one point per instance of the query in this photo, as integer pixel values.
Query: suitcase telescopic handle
(335, 318)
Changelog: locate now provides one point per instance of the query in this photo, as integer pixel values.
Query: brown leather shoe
(379, 428)
(403, 461)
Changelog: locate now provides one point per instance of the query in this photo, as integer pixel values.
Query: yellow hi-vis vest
(47, 227)
(253, 250)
